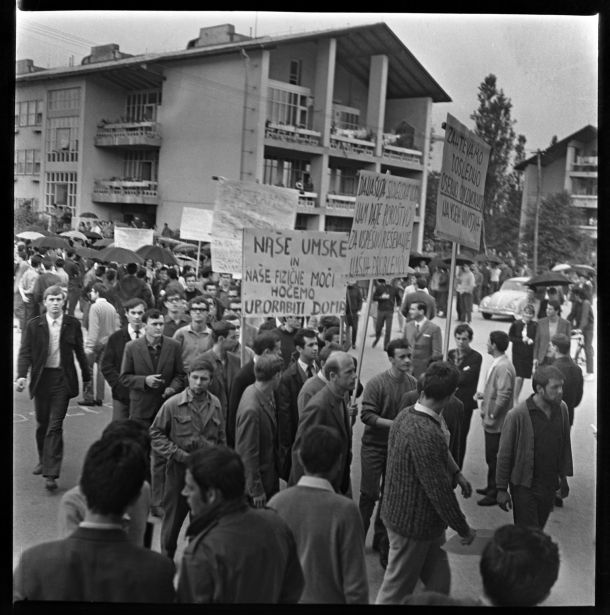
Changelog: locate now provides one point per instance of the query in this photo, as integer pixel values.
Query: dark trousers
(30, 310)
(351, 321)
(384, 318)
(120, 410)
(175, 507)
(532, 507)
(464, 429)
(51, 405)
(73, 297)
(464, 307)
(492, 445)
(157, 478)
(587, 333)
(373, 461)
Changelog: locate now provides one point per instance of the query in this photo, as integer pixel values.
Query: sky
(546, 64)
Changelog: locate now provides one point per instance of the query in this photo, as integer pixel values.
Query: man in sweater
(194, 338)
(387, 298)
(419, 502)
(326, 526)
(380, 405)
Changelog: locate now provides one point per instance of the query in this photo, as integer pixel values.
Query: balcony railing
(126, 191)
(341, 202)
(351, 144)
(308, 199)
(128, 133)
(586, 161)
(293, 134)
(584, 200)
(402, 153)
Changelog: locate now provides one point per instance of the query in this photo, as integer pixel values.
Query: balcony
(584, 200)
(308, 200)
(352, 141)
(291, 134)
(125, 191)
(341, 203)
(128, 134)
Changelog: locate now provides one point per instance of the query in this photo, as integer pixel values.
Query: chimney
(105, 53)
(217, 35)
(23, 67)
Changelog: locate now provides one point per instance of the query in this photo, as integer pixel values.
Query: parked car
(507, 301)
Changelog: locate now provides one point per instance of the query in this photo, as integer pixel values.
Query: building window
(60, 192)
(142, 106)
(288, 107)
(343, 180)
(32, 203)
(295, 72)
(141, 165)
(347, 118)
(64, 100)
(27, 162)
(62, 139)
(285, 173)
(28, 113)
(338, 224)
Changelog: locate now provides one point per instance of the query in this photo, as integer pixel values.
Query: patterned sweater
(418, 500)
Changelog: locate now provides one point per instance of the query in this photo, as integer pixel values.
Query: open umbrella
(122, 256)
(584, 268)
(416, 257)
(548, 278)
(89, 253)
(74, 235)
(103, 243)
(31, 235)
(51, 242)
(460, 259)
(93, 235)
(88, 214)
(185, 247)
(157, 253)
(562, 267)
(490, 258)
(37, 229)
(186, 260)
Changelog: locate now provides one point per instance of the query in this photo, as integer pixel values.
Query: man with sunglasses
(195, 338)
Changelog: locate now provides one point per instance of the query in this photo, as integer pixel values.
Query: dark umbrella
(418, 256)
(51, 243)
(548, 278)
(88, 253)
(157, 253)
(460, 259)
(439, 261)
(92, 235)
(122, 256)
(103, 243)
(490, 258)
(88, 214)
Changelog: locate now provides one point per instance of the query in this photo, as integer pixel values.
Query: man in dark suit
(130, 286)
(113, 356)
(417, 296)
(265, 343)
(98, 562)
(293, 378)
(424, 338)
(329, 407)
(48, 347)
(387, 298)
(468, 361)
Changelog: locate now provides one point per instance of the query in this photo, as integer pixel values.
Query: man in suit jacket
(48, 347)
(265, 343)
(293, 379)
(496, 400)
(387, 297)
(130, 286)
(329, 407)
(113, 356)
(553, 324)
(420, 295)
(98, 562)
(424, 337)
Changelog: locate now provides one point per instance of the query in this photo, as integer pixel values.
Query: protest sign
(293, 272)
(459, 206)
(196, 224)
(380, 239)
(132, 238)
(242, 205)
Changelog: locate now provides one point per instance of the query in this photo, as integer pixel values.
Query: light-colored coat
(498, 395)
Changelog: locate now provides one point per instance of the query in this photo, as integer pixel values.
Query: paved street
(573, 526)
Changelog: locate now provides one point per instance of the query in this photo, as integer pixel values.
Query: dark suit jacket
(572, 384)
(112, 360)
(94, 565)
(470, 368)
(425, 345)
(129, 286)
(243, 379)
(419, 296)
(35, 347)
(543, 336)
(325, 408)
(145, 402)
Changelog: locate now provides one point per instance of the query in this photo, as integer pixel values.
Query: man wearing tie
(48, 347)
(424, 337)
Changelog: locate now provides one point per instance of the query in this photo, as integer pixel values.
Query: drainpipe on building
(537, 214)
(243, 127)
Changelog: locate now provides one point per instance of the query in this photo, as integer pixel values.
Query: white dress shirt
(54, 333)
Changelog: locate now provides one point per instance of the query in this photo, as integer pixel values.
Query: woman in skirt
(522, 334)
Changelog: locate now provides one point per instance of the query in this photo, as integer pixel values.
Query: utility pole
(537, 213)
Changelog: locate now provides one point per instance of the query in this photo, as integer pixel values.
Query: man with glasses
(175, 318)
(194, 338)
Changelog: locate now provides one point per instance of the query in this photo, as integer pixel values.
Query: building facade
(137, 138)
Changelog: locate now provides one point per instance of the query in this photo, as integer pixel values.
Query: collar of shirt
(419, 324)
(419, 407)
(315, 481)
(321, 376)
(303, 366)
(101, 299)
(100, 526)
(189, 397)
(50, 320)
(132, 332)
(156, 346)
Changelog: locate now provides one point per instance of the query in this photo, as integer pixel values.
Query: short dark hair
(320, 449)
(499, 339)
(325, 322)
(576, 291)
(268, 325)
(36, 260)
(59, 262)
(56, 289)
(189, 274)
(544, 374)
(172, 273)
(110, 274)
(132, 268)
(113, 474)
(267, 366)
(301, 334)
(464, 328)
(218, 467)
(220, 328)
(519, 566)
(134, 302)
(141, 273)
(399, 342)
(421, 282)
(130, 429)
(172, 290)
(331, 332)
(198, 299)
(421, 306)
(266, 340)
(100, 289)
(562, 342)
(555, 305)
(440, 380)
(203, 365)
(151, 313)
(326, 351)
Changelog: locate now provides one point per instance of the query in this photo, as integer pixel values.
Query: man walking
(387, 298)
(585, 322)
(419, 502)
(496, 400)
(424, 338)
(194, 338)
(49, 345)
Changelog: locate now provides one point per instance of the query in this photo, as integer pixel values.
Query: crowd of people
(249, 435)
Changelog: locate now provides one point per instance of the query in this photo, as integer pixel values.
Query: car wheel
(486, 316)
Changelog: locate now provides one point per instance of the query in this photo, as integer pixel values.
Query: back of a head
(218, 467)
(266, 340)
(320, 449)
(562, 342)
(129, 429)
(440, 380)
(519, 566)
(267, 366)
(327, 350)
(420, 282)
(131, 268)
(112, 476)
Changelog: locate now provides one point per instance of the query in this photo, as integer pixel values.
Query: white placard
(196, 224)
(132, 238)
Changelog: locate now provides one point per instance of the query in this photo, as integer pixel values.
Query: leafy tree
(25, 216)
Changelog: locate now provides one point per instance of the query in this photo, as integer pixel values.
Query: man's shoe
(86, 402)
(483, 491)
(50, 484)
(487, 501)
(375, 342)
(558, 502)
(376, 540)
(37, 471)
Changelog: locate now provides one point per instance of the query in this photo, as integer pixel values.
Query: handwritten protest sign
(196, 224)
(132, 238)
(459, 208)
(380, 239)
(293, 272)
(242, 205)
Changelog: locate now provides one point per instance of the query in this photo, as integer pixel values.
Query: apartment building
(140, 137)
(569, 165)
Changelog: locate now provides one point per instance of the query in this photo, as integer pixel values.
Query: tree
(26, 216)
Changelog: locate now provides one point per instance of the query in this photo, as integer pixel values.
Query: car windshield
(513, 285)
